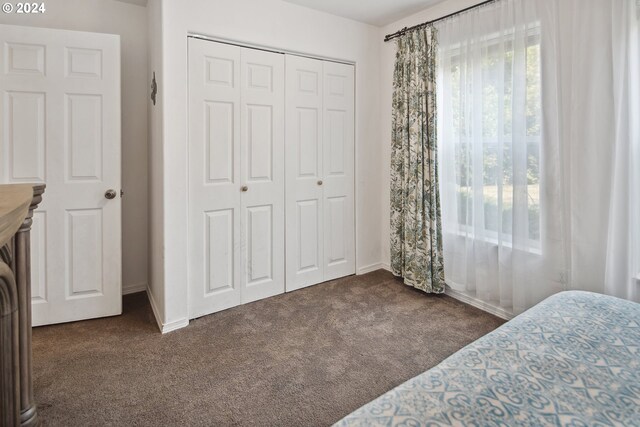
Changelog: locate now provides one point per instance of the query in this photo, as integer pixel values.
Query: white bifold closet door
(236, 175)
(319, 162)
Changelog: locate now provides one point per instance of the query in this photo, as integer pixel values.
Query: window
(493, 115)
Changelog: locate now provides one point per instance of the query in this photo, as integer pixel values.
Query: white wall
(156, 213)
(130, 22)
(155, 209)
(277, 24)
(387, 59)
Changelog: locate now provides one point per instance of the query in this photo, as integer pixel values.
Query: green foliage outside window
(501, 142)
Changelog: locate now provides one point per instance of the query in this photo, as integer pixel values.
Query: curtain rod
(424, 24)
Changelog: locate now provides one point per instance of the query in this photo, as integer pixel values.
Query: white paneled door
(236, 175)
(60, 114)
(262, 174)
(271, 174)
(214, 177)
(304, 170)
(319, 171)
(338, 170)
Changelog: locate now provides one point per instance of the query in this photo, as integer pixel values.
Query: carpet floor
(305, 358)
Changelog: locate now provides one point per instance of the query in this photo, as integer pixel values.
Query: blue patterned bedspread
(572, 360)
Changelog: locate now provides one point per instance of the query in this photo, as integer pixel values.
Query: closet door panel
(214, 177)
(304, 166)
(338, 170)
(262, 170)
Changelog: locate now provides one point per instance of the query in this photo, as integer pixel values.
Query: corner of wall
(134, 288)
(173, 60)
(387, 58)
(156, 288)
(164, 327)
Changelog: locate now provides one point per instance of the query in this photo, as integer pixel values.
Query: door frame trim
(268, 48)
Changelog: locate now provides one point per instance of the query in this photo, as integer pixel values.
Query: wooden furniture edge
(17, 203)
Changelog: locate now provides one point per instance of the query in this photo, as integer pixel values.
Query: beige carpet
(305, 358)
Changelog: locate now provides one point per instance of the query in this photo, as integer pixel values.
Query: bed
(572, 360)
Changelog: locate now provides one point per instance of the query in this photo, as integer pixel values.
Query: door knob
(110, 194)
(244, 188)
(319, 182)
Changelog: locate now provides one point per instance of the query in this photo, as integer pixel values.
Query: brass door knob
(110, 194)
(244, 188)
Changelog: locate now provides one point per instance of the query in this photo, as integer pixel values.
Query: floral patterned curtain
(416, 230)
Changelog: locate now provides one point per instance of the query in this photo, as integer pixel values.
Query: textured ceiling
(374, 12)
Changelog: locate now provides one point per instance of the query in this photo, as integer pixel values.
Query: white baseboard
(175, 325)
(460, 296)
(373, 267)
(154, 308)
(164, 327)
(132, 288)
(477, 303)
(369, 268)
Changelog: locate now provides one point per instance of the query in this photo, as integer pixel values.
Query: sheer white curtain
(500, 160)
(623, 255)
(529, 119)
